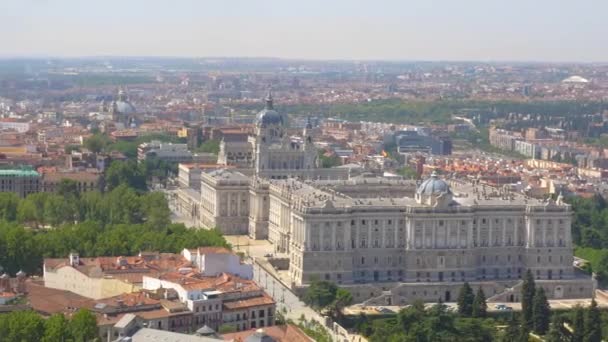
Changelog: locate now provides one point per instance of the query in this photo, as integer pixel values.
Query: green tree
(343, 299)
(328, 161)
(31, 209)
(96, 143)
(209, 146)
(465, 300)
(156, 209)
(601, 267)
(320, 294)
(480, 307)
(541, 312)
(68, 188)
(56, 329)
(511, 333)
(58, 210)
(83, 326)
(407, 172)
(127, 173)
(593, 323)
(527, 298)
(25, 326)
(578, 325)
(9, 202)
(557, 331)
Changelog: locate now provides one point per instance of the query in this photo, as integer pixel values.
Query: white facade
(20, 127)
(437, 238)
(215, 261)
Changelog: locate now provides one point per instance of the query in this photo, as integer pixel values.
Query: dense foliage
(209, 146)
(590, 233)
(419, 324)
(328, 161)
(120, 222)
(28, 326)
(325, 295)
(441, 111)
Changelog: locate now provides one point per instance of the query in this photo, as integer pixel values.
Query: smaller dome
(125, 107)
(269, 117)
(575, 79)
(433, 185)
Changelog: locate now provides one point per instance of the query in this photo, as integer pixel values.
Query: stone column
(424, 245)
(320, 238)
(504, 231)
(544, 233)
(490, 240)
(531, 233)
(396, 234)
(516, 232)
(383, 234)
(458, 242)
(555, 229)
(478, 232)
(369, 233)
(308, 240)
(333, 236)
(434, 236)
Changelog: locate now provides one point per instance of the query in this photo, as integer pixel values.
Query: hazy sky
(540, 30)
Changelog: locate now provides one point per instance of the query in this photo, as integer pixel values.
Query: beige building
(423, 246)
(107, 276)
(230, 199)
(225, 201)
(85, 180)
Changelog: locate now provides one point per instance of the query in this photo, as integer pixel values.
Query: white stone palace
(387, 241)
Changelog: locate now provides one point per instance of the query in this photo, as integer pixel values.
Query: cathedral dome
(125, 107)
(266, 117)
(269, 116)
(122, 104)
(433, 186)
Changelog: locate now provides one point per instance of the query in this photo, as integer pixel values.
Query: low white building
(213, 261)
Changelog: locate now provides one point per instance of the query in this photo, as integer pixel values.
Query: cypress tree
(465, 300)
(557, 331)
(578, 325)
(593, 323)
(480, 307)
(527, 298)
(541, 312)
(512, 331)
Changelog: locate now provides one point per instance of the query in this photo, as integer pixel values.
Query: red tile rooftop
(248, 303)
(280, 333)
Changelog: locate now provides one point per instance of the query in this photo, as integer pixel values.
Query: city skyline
(435, 30)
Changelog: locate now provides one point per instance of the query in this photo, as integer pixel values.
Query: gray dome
(433, 185)
(269, 117)
(125, 107)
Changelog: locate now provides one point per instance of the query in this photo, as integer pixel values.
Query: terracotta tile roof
(248, 302)
(225, 283)
(130, 269)
(280, 333)
(129, 299)
(49, 301)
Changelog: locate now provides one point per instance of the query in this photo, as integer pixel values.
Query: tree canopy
(28, 326)
(120, 222)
